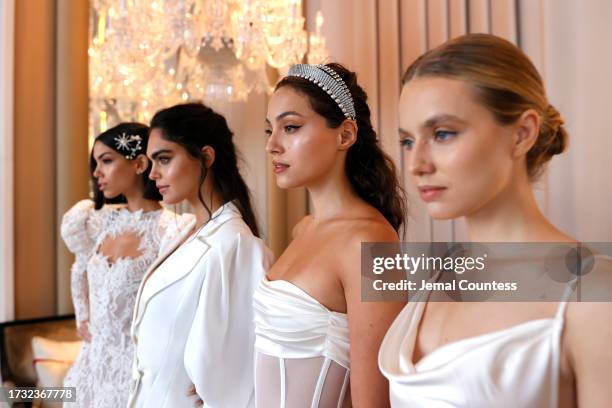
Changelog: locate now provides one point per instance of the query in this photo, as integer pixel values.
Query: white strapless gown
(302, 350)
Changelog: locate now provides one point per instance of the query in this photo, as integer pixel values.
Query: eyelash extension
(292, 127)
(287, 128)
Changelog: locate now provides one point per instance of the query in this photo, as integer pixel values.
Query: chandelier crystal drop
(145, 55)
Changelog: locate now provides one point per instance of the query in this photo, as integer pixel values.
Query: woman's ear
(348, 134)
(142, 163)
(209, 156)
(526, 132)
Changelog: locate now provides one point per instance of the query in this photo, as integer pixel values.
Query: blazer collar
(223, 214)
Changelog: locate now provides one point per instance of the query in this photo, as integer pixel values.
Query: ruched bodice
(299, 342)
(290, 323)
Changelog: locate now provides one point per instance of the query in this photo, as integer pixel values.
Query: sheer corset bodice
(302, 349)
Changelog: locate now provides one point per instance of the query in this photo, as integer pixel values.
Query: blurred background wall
(566, 39)
(7, 256)
(43, 119)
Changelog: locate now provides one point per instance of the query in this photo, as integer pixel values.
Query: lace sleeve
(75, 232)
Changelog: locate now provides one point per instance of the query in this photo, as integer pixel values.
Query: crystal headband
(328, 80)
(130, 144)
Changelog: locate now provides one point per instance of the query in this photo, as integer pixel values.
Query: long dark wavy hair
(195, 125)
(370, 171)
(108, 138)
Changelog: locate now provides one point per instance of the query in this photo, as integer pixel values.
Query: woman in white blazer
(193, 319)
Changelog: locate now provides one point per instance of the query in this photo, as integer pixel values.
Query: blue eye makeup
(443, 135)
(407, 143)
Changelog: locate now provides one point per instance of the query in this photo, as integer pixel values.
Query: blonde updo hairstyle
(505, 81)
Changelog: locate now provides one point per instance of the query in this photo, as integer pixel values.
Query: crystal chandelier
(145, 55)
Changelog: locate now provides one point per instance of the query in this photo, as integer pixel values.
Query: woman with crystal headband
(193, 319)
(477, 129)
(316, 341)
(114, 244)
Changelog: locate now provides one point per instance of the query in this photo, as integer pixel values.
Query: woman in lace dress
(114, 244)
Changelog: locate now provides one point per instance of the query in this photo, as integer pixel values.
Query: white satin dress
(516, 367)
(301, 350)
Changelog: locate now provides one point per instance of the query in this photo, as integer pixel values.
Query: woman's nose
(153, 175)
(272, 145)
(419, 160)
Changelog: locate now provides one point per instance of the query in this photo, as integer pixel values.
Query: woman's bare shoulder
(587, 327)
(369, 226)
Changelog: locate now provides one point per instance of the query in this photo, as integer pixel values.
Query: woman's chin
(170, 200)
(284, 183)
(298, 180)
(109, 195)
(442, 212)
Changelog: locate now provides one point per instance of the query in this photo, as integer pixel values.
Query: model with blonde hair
(478, 129)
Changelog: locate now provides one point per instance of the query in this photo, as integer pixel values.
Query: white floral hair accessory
(129, 144)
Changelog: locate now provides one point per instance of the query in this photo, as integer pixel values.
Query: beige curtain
(50, 129)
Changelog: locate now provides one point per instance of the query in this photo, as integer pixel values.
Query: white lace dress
(104, 293)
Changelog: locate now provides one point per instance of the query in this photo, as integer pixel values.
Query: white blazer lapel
(195, 250)
(175, 268)
(170, 248)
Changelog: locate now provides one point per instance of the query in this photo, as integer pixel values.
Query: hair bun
(557, 140)
(554, 118)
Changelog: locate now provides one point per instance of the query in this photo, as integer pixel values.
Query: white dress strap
(567, 293)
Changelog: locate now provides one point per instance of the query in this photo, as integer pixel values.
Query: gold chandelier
(148, 54)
